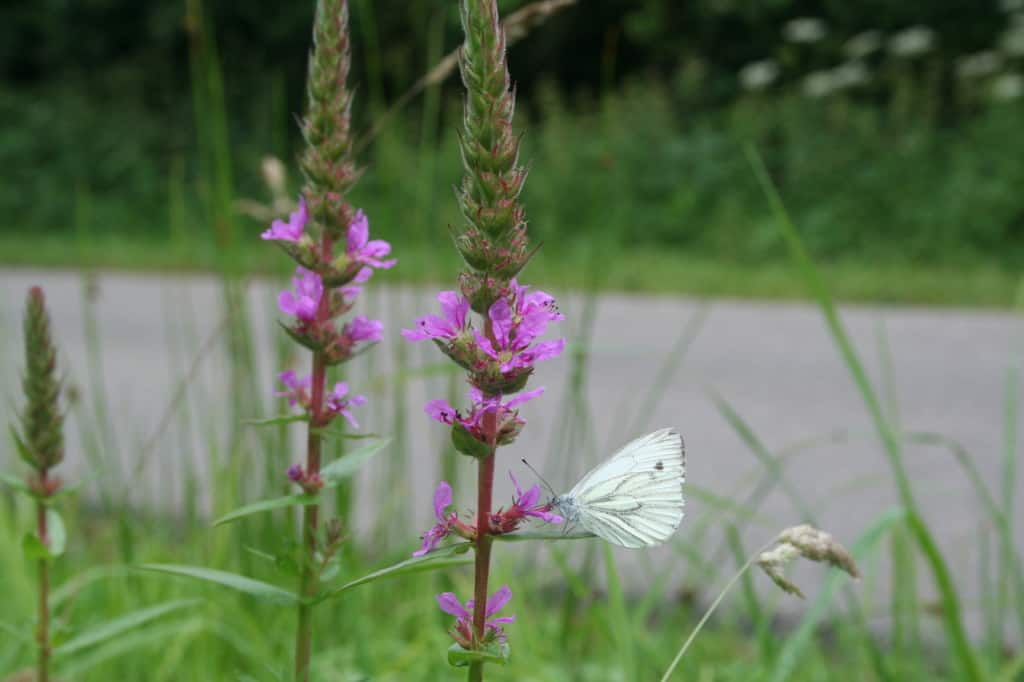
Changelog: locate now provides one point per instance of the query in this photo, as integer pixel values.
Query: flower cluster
(323, 289)
(502, 361)
(462, 631)
(524, 507)
(337, 402)
(500, 351)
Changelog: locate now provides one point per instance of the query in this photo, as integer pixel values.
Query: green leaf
(496, 652)
(112, 628)
(441, 558)
(543, 535)
(345, 466)
(299, 499)
(254, 588)
(16, 483)
(331, 433)
(464, 442)
(22, 449)
(278, 420)
(55, 532)
(34, 547)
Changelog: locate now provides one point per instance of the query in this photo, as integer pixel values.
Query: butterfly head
(566, 507)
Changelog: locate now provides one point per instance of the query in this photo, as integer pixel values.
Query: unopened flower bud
(41, 441)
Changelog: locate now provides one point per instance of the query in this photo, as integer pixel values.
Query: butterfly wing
(635, 499)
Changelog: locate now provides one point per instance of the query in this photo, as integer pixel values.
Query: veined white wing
(635, 499)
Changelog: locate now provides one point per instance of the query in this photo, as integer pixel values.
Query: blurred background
(890, 129)
(145, 145)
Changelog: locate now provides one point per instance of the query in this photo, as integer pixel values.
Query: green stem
(43, 626)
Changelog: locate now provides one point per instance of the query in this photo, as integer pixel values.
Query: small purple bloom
(451, 324)
(353, 288)
(361, 249)
(305, 300)
(451, 605)
(526, 503)
(507, 417)
(362, 328)
(295, 473)
(337, 403)
(292, 230)
(440, 530)
(297, 387)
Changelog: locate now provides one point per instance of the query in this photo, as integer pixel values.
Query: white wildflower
(863, 44)
(912, 42)
(819, 84)
(1007, 87)
(804, 30)
(978, 65)
(850, 75)
(1012, 41)
(759, 75)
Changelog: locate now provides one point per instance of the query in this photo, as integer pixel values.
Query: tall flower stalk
(329, 240)
(500, 349)
(40, 441)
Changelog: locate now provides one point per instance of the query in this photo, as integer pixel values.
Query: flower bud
(41, 441)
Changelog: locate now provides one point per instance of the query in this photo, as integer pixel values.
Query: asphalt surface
(774, 363)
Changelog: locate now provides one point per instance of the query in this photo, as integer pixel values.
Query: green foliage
(253, 588)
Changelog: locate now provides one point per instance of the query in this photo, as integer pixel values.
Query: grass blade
(952, 617)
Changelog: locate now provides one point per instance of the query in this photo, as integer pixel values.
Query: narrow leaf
(299, 499)
(276, 421)
(254, 588)
(22, 449)
(345, 466)
(16, 483)
(441, 558)
(341, 435)
(110, 629)
(496, 652)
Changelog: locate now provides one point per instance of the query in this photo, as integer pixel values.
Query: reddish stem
(43, 625)
(485, 495)
(311, 513)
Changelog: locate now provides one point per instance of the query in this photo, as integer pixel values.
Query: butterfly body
(635, 498)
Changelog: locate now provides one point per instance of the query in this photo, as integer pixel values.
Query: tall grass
(114, 623)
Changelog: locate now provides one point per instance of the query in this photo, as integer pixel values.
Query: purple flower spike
(451, 324)
(463, 630)
(305, 300)
(295, 473)
(292, 230)
(440, 530)
(337, 403)
(363, 250)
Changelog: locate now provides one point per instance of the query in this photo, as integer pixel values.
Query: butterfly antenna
(537, 474)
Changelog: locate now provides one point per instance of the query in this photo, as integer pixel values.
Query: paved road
(773, 362)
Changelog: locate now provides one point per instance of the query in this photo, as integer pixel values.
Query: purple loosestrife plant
(40, 442)
(499, 349)
(330, 242)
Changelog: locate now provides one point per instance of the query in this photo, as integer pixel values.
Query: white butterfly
(635, 499)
